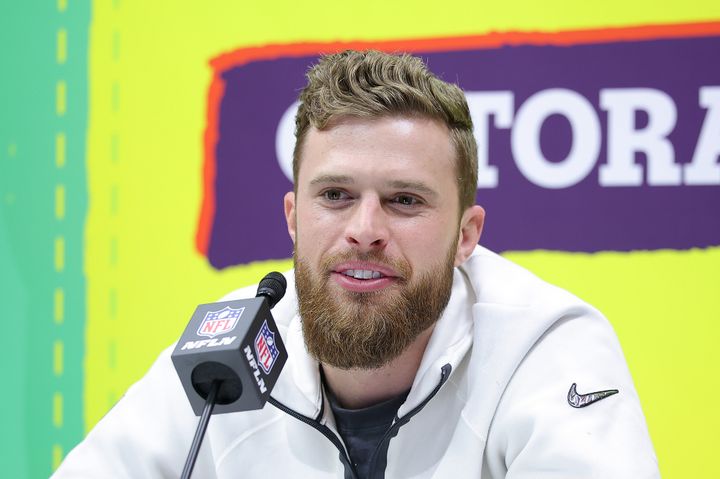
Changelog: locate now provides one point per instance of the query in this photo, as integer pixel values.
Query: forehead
(394, 148)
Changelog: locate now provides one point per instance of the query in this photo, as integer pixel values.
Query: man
(413, 352)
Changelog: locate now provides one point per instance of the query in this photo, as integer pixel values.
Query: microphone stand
(200, 431)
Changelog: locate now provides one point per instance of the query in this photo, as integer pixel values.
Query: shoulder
(532, 342)
(497, 280)
(533, 328)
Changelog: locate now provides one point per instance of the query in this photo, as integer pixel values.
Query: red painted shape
(490, 40)
(207, 211)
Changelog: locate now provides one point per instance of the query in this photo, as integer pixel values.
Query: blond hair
(374, 84)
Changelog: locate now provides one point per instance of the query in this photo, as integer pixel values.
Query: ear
(471, 225)
(290, 218)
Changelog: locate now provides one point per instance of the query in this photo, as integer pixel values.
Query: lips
(364, 270)
(362, 273)
(360, 276)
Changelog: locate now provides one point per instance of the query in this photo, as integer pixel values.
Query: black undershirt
(363, 429)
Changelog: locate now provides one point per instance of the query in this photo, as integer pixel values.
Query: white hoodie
(490, 400)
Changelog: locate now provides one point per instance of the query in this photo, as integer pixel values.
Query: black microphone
(230, 354)
(236, 343)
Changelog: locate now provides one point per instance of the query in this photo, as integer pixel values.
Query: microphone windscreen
(273, 287)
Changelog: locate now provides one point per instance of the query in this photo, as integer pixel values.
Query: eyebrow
(417, 186)
(338, 179)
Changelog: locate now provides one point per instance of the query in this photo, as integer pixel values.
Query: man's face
(376, 224)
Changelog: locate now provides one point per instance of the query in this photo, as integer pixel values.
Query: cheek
(426, 242)
(314, 231)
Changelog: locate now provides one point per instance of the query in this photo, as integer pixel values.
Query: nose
(367, 227)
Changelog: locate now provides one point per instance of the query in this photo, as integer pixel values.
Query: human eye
(333, 195)
(406, 200)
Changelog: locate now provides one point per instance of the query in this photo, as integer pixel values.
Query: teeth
(362, 273)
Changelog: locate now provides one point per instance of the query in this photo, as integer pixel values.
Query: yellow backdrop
(148, 84)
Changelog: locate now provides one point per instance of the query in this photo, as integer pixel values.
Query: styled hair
(376, 84)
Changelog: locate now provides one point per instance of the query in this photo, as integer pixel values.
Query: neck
(359, 388)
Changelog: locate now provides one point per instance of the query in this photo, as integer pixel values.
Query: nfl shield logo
(219, 322)
(265, 348)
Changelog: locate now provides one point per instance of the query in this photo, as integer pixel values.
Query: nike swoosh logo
(581, 400)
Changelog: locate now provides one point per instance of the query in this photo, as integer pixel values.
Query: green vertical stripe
(43, 206)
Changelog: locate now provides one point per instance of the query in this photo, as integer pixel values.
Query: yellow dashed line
(60, 150)
(60, 202)
(59, 254)
(116, 46)
(59, 306)
(112, 303)
(61, 52)
(58, 409)
(58, 364)
(60, 98)
(57, 456)
(113, 200)
(114, 205)
(58, 359)
(115, 96)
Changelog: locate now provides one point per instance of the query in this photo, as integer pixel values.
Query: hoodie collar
(300, 388)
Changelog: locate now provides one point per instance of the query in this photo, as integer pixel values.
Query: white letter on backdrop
(585, 138)
(285, 140)
(499, 104)
(705, 166)
(624, 140)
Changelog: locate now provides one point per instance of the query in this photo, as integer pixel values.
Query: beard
(351, 330)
